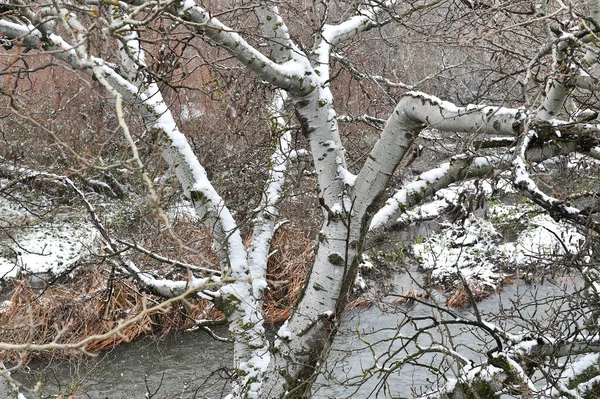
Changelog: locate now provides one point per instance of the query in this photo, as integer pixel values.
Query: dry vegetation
(94, 298)
(293, 252)
(71, 130)
(68, 313)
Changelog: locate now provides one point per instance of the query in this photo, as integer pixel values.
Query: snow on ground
(191, 110)
(544, 239)
(29, 246)
(500, 213)
(33, 246)
(45, 248)
(470, 248)
(480, 250)
(181, 210)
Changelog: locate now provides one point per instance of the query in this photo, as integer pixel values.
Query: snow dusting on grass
(543, 240)
(31, 246)
(45, 248)
(181, 210)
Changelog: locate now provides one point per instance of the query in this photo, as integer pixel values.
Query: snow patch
(347, 177)
(468, 249)
(46, 248)
(477, 249)
(543, 239)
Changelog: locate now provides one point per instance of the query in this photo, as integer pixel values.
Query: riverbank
(469, 241)
(169, 368)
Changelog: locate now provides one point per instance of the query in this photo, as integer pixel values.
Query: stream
(192, 365)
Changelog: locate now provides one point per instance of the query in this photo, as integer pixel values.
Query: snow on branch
(166, 260)
(369, 16)
(559, 43)
(241, 295)
(459, 168)
(443, 115)
(287, 75)
(332, 35)
(182, 160)
(179, 155)
(415, 111)
(376, 78)
(538, 348)
(236, 294)
(368, 119)
(558, 209)
(569, 73)
(162, 287)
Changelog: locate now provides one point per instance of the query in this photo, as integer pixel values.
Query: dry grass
(93, 301)
(69, 313)
(286, 272)
(359, 303)
(460, 296)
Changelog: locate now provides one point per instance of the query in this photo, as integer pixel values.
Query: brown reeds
(94, 301)
(460, 296)
(86, 306)
(359, 303)
(95, 298)
(293, 252)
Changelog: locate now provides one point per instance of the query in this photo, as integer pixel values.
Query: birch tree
(301, 75)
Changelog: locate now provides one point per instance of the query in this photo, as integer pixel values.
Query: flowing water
(192, 365)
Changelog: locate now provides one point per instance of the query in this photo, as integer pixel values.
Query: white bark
(419, 110)
(555, 91)
(556, 95)
(287, 76)
(414, 111)
(307, 335)
(241, 299)
(276, 32)
(308, 332)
